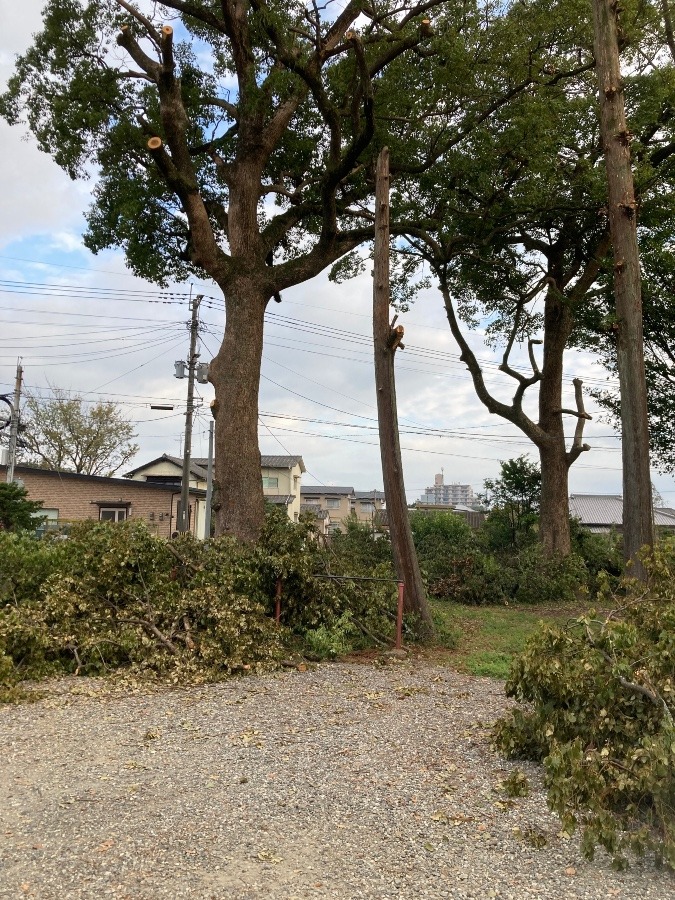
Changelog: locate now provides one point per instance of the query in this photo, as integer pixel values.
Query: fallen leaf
(267, 856)
(570, 870)
(105, 846)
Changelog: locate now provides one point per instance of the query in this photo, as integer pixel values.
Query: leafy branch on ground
(601, 702)
(116, 597)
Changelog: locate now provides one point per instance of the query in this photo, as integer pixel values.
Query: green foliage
(516, 784)
(600, 697)
(462, 565)
(328, 642)
(16, 510)
(25, 564)
(513, 500)
(62, 433)
(114, 597)
(602, 555)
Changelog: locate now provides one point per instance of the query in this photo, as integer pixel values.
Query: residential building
(322, 519)
(69, 497)
(281, 477)
(342, 503)
(442, 494)
(602, 513)
(474, 518)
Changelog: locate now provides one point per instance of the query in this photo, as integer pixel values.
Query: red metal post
(399, 616)
(277, 603)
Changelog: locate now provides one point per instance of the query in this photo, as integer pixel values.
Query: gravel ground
(347, 781)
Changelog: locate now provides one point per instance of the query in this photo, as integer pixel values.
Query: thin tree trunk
(637, 493)
(385, 342)
(235, 375)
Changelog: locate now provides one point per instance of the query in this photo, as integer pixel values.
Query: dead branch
(582, 417)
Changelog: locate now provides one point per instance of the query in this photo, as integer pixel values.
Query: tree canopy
(17, 512)
(66, 434)
(515, 227)
(235, 141)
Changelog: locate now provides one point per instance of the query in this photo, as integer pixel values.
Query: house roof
(316, 511)
(199, 464)
(280, 499)
(597, 509)
(369, 495)
(327, 490)
(282, 462)
(122, 483)
(196, 467)
(266, 462)
(605, 510)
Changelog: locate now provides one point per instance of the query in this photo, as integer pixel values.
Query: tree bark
(638, 529)
(385, 341)
(554, 519)
(235, 375)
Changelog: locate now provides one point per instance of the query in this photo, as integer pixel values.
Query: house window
(50, 520)
(332, 503)
(367, 506)
(112, 514)
(269, 482)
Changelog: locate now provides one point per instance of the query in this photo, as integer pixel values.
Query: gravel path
(347, 781)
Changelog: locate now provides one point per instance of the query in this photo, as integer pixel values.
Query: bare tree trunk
(554, 516)
(637, 495)
(235, 375)
(385, 341)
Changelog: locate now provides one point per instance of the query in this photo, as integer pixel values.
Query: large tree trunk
(554, 519)
(554, 522)
(638, 529)
(235, 375)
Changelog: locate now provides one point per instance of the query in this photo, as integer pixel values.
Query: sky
(85, 324)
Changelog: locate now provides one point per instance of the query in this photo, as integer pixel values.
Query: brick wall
(78, 497)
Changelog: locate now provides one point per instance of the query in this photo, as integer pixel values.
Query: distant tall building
(443, 494)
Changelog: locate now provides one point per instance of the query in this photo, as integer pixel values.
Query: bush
(25, 563)
(456, 565)
(602, 554)
(601, 695)
(532, 577)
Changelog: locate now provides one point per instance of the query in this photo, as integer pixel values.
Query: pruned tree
(517, 236)
(234, 141)
(63, 433)
(638, 517)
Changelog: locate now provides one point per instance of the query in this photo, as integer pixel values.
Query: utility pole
(386, 340)
(183, 512)
(638, 527)
(14, 423)
(209, 482)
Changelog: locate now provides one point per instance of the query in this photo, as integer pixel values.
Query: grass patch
(487, 638)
